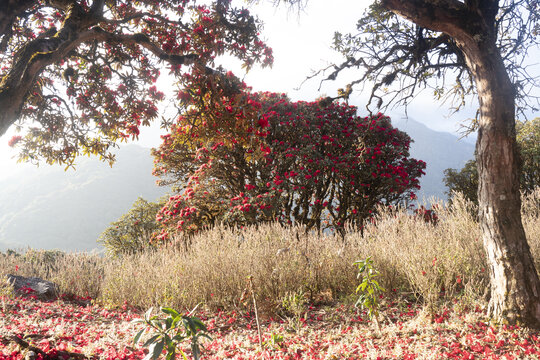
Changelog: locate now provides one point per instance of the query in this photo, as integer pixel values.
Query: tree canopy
(79, 76)
(311, 163)
(464, 181)
(528, 138)
(133, 231)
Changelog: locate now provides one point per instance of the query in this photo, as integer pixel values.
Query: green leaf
(156, 349)
(170, 311)
(168, 323)
(362, 268)
(185, 322)
(176, 321)
(171, 349)
(199, 323)
(377, 286)
(192, 326)
(138, 336)
(210, 338)
(179, 338)
(363, 286)
(169, 341)
(151, 340)
(148, 313)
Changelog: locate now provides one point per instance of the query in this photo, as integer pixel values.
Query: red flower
(263, 122)
(14, 140)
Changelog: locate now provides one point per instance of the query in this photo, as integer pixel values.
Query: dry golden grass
(411, 255)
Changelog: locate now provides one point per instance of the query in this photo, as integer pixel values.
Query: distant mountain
(440, 151)
(49, 208)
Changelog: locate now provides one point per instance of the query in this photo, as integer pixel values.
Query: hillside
(50, 208)
(440, 151)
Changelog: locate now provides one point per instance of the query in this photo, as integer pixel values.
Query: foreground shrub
(369, 288)
(170, 332)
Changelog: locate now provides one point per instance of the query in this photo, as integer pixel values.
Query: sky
(301, 42)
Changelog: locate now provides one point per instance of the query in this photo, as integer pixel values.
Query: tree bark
(515, 286)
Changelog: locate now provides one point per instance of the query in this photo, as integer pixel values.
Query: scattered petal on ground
(338, 332)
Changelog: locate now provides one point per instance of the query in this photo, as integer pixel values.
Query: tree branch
(451, 17)
(59, 353)
(144, 41)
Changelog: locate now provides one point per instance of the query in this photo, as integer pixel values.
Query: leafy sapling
(368, 288)
(170, 332)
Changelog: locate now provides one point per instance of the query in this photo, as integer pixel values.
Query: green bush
(133, 232)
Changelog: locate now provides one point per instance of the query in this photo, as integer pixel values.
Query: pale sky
(301, 43)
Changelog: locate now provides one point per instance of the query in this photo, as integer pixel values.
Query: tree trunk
(10, 107)
(515, 286)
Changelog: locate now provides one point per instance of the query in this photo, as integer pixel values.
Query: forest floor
(69, 327)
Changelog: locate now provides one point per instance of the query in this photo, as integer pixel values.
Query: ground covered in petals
(67, 327)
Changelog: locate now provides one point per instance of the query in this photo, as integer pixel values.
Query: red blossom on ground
(337, 332)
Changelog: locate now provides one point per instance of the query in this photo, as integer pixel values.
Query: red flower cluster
(256, 157)
(110, 90)
(14, 140)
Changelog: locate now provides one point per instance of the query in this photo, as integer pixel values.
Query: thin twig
(250, 279)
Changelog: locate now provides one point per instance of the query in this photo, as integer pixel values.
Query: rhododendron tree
(292, 162)
(79, 76)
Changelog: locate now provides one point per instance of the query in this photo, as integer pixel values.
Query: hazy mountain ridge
(49, 208)
(440, 151)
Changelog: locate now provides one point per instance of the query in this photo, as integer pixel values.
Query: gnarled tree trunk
(515, 286)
